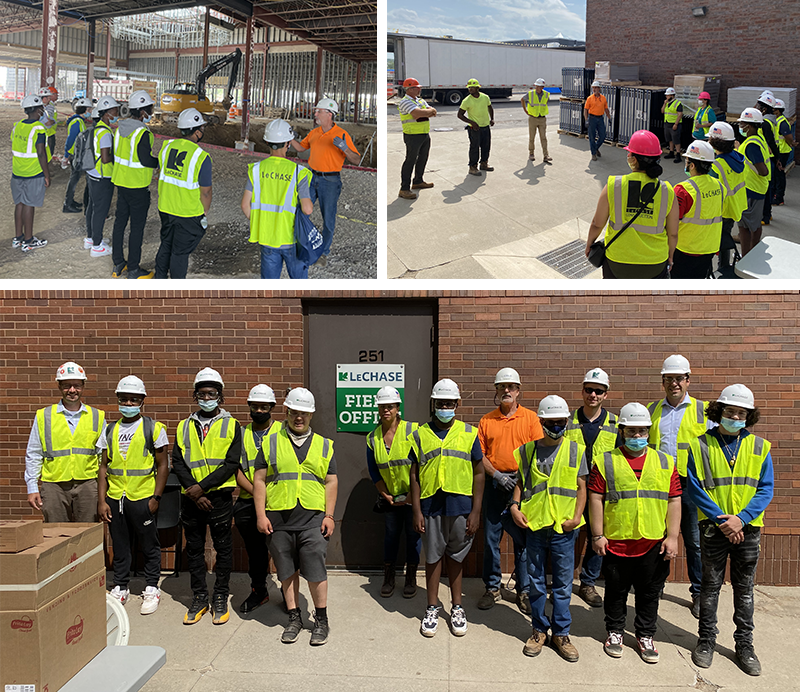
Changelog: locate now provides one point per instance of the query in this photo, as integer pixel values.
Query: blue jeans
(327, 191)
(398, 519)
(272, 259)
(597, 132)
(690, 530)
(561, 547)
(495, 522)
(592, 562)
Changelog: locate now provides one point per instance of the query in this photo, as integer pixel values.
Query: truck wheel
(453, 98)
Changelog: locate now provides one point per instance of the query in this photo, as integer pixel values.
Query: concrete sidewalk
(375, 644)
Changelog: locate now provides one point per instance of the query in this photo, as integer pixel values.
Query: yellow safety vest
(635, 508)
(646, 238)
(693, 423)
(753, 180)
(129, 171)
(700, 119)
(178, 180)
(700, 231)
(735, 202)
(394, 465)
(537, 105)
(69, 456)
(289, 481)
(132, 474)
(274, 202)
(250, 452)
(783, 145)
(203, 458)
(106, 170)
(81, 124)
(731, 489)
(761, 134)
(550, 500)
(415, 127)
(445, 464)
(606, 439)
(23, 148)
(671, 111)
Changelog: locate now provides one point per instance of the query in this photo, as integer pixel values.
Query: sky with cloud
(489, 20)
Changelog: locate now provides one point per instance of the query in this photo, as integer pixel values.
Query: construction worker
(700, 201)
(476, 110)
(501, 432)
(757, 176)
(330, 147)
(294, 508)
(447, 476)
(785, 142)
(205, 458)
(673, 124)
(677, 419)
(133, 475)
(704, 117)
(260, 401)
(134, 164)
(731, 480)
(728, 168)
(634, 500)
(596, 429)
(274, 187)
(595, 109)
(768, 132)
(389, 465)
(534, 103)
(549, 499)
(75, 125)
(63, 449)
(49, 96)
(101, 189)
(30, 173)
(415, 115)
(184, 196)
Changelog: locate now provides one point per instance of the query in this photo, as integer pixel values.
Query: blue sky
(489, 20)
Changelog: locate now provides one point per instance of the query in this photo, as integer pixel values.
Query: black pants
(647, 575)
(780, 179)
(255, 542)
(690, 266)
(74, 177)
(715, 549)
(770, 190)
(417, 149)
(179, 237)
(218, 520)
(129, 519)
(615, 270)
(132, 203)
(100, 193)
(480, 143)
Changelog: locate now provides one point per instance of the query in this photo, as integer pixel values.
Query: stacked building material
(640, 109)
(688, 88)
(740, 98)
(571, 117)
(613, 71)
(576, 82)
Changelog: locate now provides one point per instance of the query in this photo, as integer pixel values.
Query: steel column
(108, 49)
(248, 58)
(90, 59)
(358, 90)
(177, 56)
(264, 74)
(49, 42)
(206, 28)
(318, 76)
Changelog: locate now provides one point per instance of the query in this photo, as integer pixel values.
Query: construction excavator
(193, 94)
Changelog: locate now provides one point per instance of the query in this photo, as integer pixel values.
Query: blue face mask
(732, 425)
(742, 132)
(130, 411)
(555, 431)
(636, 444)
(208, 405)
(445, 414)
(113, 120)
(147, 118)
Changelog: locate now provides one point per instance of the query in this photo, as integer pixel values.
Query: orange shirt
(596, 105)
(325, 156)
(500, 436)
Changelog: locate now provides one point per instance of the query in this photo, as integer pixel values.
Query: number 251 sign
(356, 386)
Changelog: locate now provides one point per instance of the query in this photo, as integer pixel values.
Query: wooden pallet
(574, 134)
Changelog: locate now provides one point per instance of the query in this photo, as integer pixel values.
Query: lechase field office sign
(356, 386)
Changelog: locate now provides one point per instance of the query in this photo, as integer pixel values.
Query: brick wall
(749, 44)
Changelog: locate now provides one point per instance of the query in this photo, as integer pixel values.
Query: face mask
(445, 414)
(636, 444)
(130, 411)
(199, 135)
(688, 172)
(700, 103)
(556, 431)
(208, 406)
(733, 425)
(147, 118)
(742, 132)
(259, 418)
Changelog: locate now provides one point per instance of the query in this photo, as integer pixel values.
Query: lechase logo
(371, 376)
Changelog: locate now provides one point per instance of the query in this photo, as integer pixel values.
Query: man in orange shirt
(330, 146)
(594, 109)
(501, 432)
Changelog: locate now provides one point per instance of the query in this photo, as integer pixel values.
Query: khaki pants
(539, 123)
(70, 501)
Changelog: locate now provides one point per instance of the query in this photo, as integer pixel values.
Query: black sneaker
(678, 159)
(747, 659)
(669, 155)
(32, 244)
(71, 209)
(696, 607)
(293, 628)
(703, 653)
(198, 608)
(256, 598)
(221, 613)
(141, 273)
(319, 634)
(116, 273)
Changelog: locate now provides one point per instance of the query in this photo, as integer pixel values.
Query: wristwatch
(157, 498)
(514, 502)
(329, 516)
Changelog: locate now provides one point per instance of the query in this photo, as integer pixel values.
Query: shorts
(299, 550)
(446, 536)
(673, 135)
(751, 217)
(28, 191)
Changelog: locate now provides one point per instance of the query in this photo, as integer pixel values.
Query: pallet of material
(689, 86)
(614, 71)
(740, 98)
(633, 83)
(574, 134)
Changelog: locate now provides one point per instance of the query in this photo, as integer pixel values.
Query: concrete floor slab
(516, 268)
(394, 267)
(457, 269)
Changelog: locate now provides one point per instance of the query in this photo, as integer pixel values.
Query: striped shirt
(409, 104)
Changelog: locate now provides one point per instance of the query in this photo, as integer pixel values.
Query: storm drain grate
(569, 260)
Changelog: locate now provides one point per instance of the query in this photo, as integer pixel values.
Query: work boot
(198, 608)
(421, 186)
(703, 653)
(678, 158)
(319, 635)
(565, 648)
(548, 159)
(594, 157)
(489, 598)
(141, 274)
(410, 587)
(474, 171)
(747, 659)
(599, 155)
(293, 628)
(533, 647)
(486, 167)
(589, 594)
(387, 589)
(256, 598)
(71, 208)
(220, 608)
(407, 194)
(696, 607)
(669, 155)
(523, 602)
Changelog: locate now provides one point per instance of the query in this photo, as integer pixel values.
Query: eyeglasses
(445, 404)
(503, 386)
(668, 379)
(636, 432)
(592, 390)
(212, 394)
(734, 412)
(304, 414)
(135, 400)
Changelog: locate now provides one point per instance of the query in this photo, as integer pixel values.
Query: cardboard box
(16, 536)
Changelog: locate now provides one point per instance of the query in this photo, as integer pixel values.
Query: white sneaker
(430, 622)
(120, 594)
(87, 243)
(151, 597)
(101, 250)
(458, 621)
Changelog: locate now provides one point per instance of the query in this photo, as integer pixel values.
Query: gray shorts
(28, 191)
(751, 217)
(299, 550)
(673, 135)
(446, 536)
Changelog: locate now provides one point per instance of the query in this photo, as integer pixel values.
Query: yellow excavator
(193, 94)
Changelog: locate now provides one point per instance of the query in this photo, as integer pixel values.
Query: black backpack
(149, 426)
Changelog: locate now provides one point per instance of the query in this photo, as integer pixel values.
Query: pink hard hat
(644, 143)
(705, 95)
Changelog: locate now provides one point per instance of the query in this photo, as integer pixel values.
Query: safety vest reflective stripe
(288, 201)
(659, 226)
(192, 183)
(30, 151)
(537, 105)
(530, 453)
(699, 233)
(134, 138)
(394, 465)
(695, 215)
(411, 126)
(723, 169)
(250, 452)
(106, 170)
(614, 495)
(47, 442)
(203, 457)
(289, 482)
(132, 473)
(443, 463)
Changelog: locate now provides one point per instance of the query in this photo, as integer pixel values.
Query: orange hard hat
(644, 143)
(410, 82)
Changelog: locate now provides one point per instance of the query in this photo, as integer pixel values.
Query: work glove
(506, 481)
(339, 142)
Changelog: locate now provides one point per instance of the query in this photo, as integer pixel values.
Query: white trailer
(443, 65)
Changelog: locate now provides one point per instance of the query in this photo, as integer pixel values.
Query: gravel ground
(224, 252)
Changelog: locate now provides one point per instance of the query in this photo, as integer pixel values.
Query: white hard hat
(261, 393)
(300, 399)
(675, 365)
(670, 91)
(328, 105)
(779, 104)
(32, 100)
(507, 375)
(446, 389)
(721, 130)
(190, 118)
(388, 395)
(83, 103)
(596, 83)
(737, 395)
(140, 99)
(208, 375)
(131, 385)
(70, 371)
(635, 415)
(751, 115)
(553, 406)
(95, 113)
(107, 103)
(597, 376)
(767, 98)
(700, 151)
(45, 91)
(278, 132)
(541, 82)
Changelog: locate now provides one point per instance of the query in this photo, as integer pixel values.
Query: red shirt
(597, 484)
